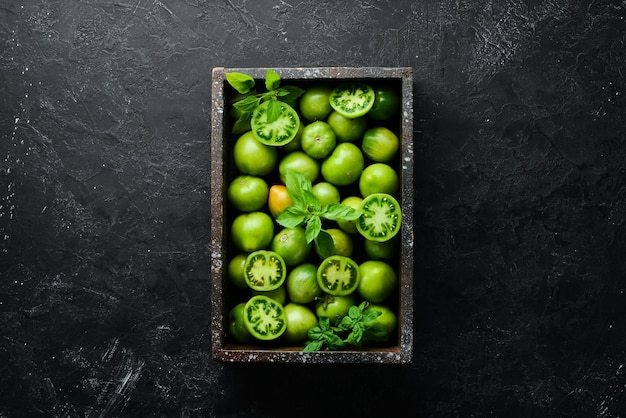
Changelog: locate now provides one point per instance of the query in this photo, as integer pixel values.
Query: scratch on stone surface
(127, 376)
(241, 13)
(158, 3)
(108, 354)
(136, 6)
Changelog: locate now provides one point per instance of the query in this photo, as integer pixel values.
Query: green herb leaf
(273, 111)
(266, 97)
(292, 217)
(243, 83)
(323, 336)
(355, 329)
(317, 331)
(247, 104)
(292, 95)
(311, 201)
(339, 212)
(315, 345)
(374, 331)
(371, 315)
(272, 80)
(242, 124)
(325, 243)
(308, 207)
(356, 335)
(313, 228)
(296, 184)
(334, 342)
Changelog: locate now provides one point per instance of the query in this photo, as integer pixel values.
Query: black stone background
(520, 219)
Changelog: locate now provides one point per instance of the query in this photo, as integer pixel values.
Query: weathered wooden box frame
(221, 140)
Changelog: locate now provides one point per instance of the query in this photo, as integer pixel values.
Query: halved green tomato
(381, 219)
(338, 275)
(352, 99)
(280, 131)
(265, 270)
(264, 317)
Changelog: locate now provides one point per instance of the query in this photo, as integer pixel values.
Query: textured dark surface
(520, 221)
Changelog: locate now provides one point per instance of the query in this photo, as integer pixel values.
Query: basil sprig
(358, 328)
(307, 210)
(248, 99)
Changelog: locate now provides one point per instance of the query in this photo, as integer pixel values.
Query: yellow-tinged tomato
(278, 200)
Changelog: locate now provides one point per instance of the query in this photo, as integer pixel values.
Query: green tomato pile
(314, 213)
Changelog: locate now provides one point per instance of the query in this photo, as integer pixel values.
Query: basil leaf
(247, 104)
(324, 323)
(313, 228)
(346, 323)
(292, 217)
(354, 312)
(311, 201)
(242, 124)
(374, 332)
(325, 243)
(356, 335)
(292, 92)
(273, 111)
(243, 83)
(272, 80)
(313, 346)
(371, 315)
(315, 332)
(265, 97)
(296, 183)
(335, 342)
(340, 212)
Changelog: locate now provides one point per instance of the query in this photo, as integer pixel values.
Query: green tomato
(300, 319)
(347, 129)
(302, 286)
(342, 242)
(248, 193)
(377, 280)
(334, 307)
(385, 250)
(326, 192)
(252, 231)
(338, 275)
(318, 139)
(265, 270)
(386, 103)
(301, 162)
(344, 165)
(352, 99)
(278, 132)
(292, 245)
(387, 318)
(236, 271)
(252, 157)
(380, 144)
(379, 178)
(265, 318)
(355, 203)
(314, 103)
(236, 325)
(381, 218)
